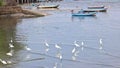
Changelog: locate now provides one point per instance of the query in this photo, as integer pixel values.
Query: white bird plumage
(46, 44)
(11, 41)
(101, 41)
(75, 43)
(73, 50)
(82, 43)
(27, 48)
(3, 62)
(60, 57)
(57, 46)
(9, 54)
(11, 45)
(101, 44)
(82, 46)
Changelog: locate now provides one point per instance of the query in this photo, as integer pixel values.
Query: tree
(11, 2)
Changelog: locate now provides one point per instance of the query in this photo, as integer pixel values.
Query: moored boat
(82, 13)
(48, 6)
(96, 10)
(96, 7)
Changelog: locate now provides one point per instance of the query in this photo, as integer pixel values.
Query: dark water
(63, 29)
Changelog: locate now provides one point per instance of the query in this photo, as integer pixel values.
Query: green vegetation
(1, 3)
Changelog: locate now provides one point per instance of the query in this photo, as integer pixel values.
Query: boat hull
(96, 7)
(96, 10)
(84, 14)
(49, 6)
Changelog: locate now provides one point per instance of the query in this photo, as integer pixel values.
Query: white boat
(96, 7)
(48, 6)
(96, 10)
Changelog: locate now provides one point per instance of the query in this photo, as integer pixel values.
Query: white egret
(60, 56)
(11, 41)
(11, 45)
(57, 46)
(3, 62)
(101, 41)
(82, 46)
(73, 51)
(47, 47)
(46, 44)
(27, 48)
(82, 43)
(101, 44)
(75, 43)
(9, 54)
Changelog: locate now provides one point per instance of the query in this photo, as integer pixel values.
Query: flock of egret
(74, 51)
(10, 53)
(59, 55)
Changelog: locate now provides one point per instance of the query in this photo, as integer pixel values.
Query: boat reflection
(80, 18)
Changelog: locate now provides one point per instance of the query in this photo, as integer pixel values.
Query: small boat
(48, 6)
(96, 10)
(82, 13)
(96, 7)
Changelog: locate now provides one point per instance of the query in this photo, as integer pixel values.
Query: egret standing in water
(11, 45)
(82, 46)
(101, 44)
(27, 48)
(3, 62)
(73, 50)
(10, 53)
(11, 41)
(75, 43)
(46, 44)
(47, 47)
(59, 54)
(57, 46)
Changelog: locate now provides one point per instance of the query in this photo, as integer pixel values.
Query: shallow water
(63, 29)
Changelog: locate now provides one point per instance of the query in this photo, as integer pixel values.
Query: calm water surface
(63, 29)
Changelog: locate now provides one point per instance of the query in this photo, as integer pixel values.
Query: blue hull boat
(84, 14)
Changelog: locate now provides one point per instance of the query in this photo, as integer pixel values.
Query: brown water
(63, 29)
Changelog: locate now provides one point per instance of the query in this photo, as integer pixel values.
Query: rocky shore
(18, 12)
